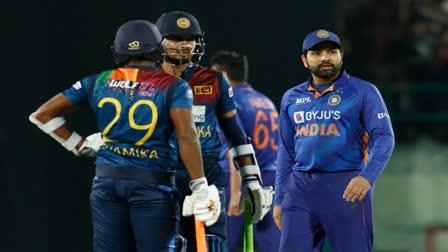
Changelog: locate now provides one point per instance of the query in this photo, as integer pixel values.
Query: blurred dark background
(399, 45)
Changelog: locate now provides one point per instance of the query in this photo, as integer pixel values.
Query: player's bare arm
(189, 146)
(56, 107)
(235, 191)
(243, 155)
(50, 118)
(204, 201)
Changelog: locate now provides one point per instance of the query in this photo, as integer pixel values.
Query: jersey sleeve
(182, 96)
(241, 112)
(227, 102)
(377, 123)
(286, 153)
(78, 93)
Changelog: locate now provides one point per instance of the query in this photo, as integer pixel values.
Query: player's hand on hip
(259, 198)
(277, 215)
(234, 204)
(203, 202)
(356, 189)
(91, 145)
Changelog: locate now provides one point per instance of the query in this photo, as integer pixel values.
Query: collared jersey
(212, 96)
(131, 106)
(259, 119)
(345, 128)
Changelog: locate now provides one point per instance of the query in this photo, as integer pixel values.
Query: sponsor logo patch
(382, 115)
(203, 90)
(303, 100)
(298, 117)
(134, 45)
(77, 85)
(123, 84)
(230, 92)
(198, 113)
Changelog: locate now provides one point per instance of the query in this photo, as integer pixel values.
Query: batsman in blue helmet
(213, 104)
(140, 112)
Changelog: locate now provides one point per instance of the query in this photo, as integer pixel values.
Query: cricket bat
(248, 229)
(201, 243)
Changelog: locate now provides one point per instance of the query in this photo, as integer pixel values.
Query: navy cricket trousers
(130, 215)
(313, 209)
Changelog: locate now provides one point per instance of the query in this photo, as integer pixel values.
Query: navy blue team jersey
(131, 107)
(213, 96)
(344, 128)
(259, 119)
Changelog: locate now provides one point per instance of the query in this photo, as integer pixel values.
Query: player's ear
(303, 58)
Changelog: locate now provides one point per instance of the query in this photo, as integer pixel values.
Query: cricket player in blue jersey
(212, 104)
(137, 108)
(335, 139)
(259, 119)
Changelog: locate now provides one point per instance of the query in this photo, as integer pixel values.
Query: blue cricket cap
(318, 36)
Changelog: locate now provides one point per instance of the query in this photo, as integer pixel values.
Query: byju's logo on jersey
(203, 90)
(298, 117)
(301, 117)
(303, 100)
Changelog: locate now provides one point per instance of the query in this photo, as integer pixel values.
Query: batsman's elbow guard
(204, 202)
(52, 125)
(247, 172)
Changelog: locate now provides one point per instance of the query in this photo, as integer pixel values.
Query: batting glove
(91, 145)
(203, 202)
(259, 198)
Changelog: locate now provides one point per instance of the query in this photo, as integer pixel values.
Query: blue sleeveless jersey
(131, 107)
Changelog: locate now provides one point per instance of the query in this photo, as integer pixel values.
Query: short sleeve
(78, 93)
(182, 96)
(227, 102)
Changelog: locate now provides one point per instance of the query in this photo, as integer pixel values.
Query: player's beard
(326, 74)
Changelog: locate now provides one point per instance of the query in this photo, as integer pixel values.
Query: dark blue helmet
(139, 39)
(179, 23)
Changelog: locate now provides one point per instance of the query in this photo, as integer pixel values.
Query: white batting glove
(91, 145)
(203, 202)
(259, 198)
